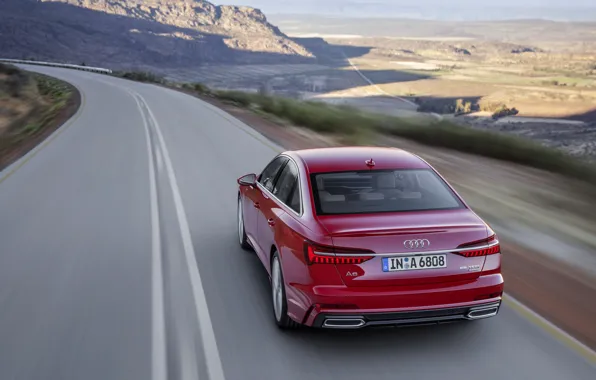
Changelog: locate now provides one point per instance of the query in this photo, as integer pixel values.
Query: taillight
(484, 247)
(481, 252)
(320, 254)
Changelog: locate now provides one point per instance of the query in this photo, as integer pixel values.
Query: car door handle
(257, 205)
(271, 222)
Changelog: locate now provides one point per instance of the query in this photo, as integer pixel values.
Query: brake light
(320, 254)
(481, 252)
(488, 246)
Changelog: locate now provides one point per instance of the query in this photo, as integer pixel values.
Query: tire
(278, 296)
(243, 239)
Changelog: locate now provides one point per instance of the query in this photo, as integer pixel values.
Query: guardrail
(53, 64)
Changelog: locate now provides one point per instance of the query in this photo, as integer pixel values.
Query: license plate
(394, 264)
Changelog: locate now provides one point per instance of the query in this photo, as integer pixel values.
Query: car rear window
(377, 191)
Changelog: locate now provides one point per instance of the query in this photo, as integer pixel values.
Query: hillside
(137, 34)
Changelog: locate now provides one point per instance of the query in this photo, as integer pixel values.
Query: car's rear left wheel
(241, 231)
(278, 295)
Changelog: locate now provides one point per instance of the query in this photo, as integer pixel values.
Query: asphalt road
(119, 261)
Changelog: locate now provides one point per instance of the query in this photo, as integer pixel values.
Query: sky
(423, 3)
(560, 10)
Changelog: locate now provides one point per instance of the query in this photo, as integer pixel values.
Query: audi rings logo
(416, 243)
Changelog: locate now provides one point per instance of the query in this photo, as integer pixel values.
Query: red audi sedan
(359, 236)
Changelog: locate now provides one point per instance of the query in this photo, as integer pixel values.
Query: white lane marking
(214, 366)
(158, 335)
(188, 362)
(159, 158)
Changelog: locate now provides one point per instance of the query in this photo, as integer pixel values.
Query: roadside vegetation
(357, 125)
(140, 76)
(31, 106)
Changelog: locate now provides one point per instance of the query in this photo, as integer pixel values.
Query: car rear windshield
(377, 191)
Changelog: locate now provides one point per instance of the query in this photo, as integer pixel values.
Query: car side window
(285, 184)
(267, 178)
(295, 198)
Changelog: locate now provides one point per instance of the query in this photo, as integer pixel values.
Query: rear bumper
(405, 318)
(402, 305)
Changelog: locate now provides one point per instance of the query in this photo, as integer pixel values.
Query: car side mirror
(248, 180)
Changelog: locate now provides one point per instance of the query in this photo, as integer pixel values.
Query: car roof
(337, 159)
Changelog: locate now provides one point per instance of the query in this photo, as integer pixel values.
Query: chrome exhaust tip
(343, 323)
(485, 311)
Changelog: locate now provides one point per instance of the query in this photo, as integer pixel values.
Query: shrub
(15, 82)
(200, 88)
(462, 107)
(8, 69)
(317, 116)
(142, 76)
(196, 87)
(495, 145)
(51, 87)
(489, 106)
(238, 97)
(504, 111)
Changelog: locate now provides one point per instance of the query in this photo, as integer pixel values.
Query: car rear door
(271, 210)
(265, 185)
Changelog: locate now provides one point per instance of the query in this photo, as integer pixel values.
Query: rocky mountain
(141, 34)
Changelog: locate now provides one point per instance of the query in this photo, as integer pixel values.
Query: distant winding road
(119, 261)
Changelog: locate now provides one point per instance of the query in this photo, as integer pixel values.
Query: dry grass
(28, 103)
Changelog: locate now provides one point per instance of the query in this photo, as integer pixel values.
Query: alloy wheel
(240, 222)
(277, 288)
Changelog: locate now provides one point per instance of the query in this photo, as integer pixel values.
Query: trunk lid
(393, 236)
